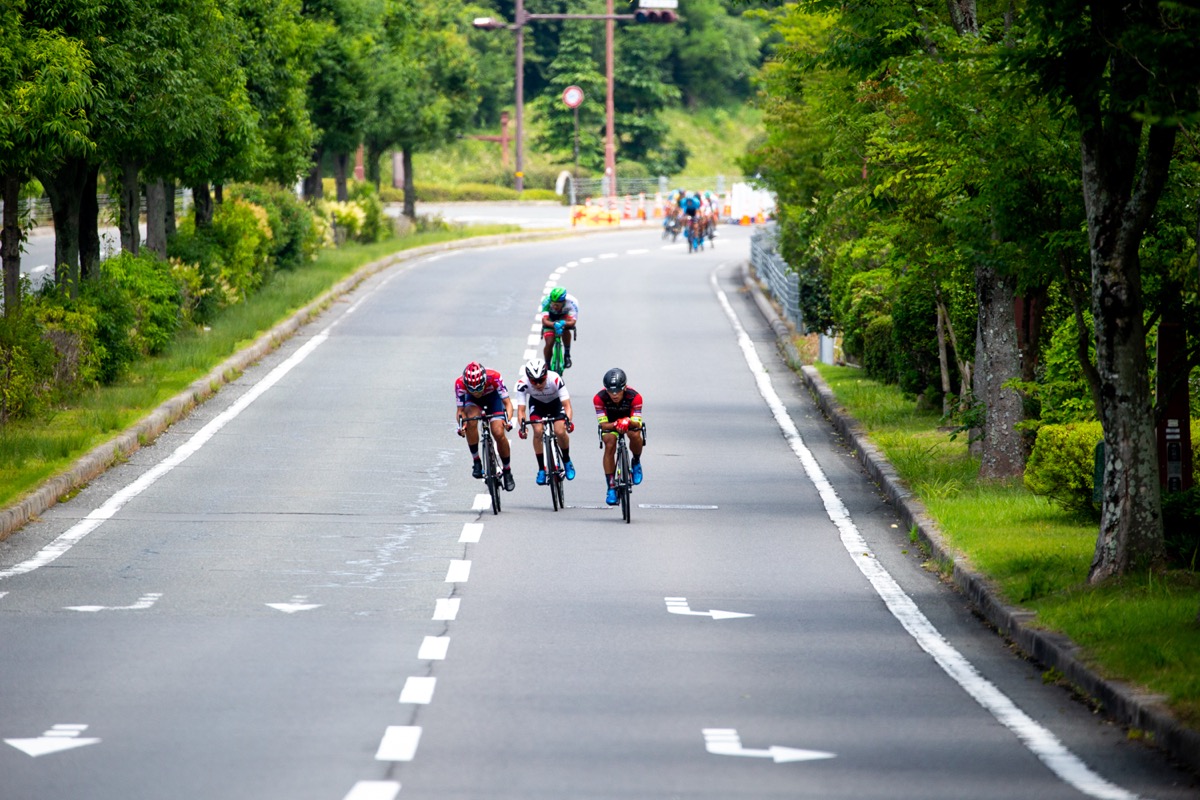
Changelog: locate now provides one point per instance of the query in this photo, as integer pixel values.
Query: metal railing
(782, 282)
(596, 187)
(38, 211)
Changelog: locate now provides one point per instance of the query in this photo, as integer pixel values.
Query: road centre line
(458, 572)
(418, 690)
(482, 501)
(446, 609)
(374, 790)
(434, 648)
(471, 532)
(399, 743)
(1038, 739)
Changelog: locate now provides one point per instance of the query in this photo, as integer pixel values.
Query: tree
(577, 63)
(45, 89)
(1129, 72)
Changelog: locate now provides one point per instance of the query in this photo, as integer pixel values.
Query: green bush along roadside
(1141, 629)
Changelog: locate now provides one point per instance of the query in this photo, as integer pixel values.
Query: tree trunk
(89, 225)
(130, 206)
(943, 359)
(10, 245)
(218, 194)
(1131, 531)
(341, 163)
(169, 220)
(156, 217)
(203, 205)
(997, 359)
(410, 190)
(65, 188)
(374, 173)
(314, 187)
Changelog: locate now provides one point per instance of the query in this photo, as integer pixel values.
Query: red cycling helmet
(474, 377)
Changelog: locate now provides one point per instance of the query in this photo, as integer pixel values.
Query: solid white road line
(433, 648)
(418, 690)
(1040, 741)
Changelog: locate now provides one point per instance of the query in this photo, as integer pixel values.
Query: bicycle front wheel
(624, 482)
(491, 473)
(552, 478)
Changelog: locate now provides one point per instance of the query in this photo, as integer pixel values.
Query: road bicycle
(623, 477)
(490, 457)
(671, 227)
(556, 465)
(694, 233)
(558, 353)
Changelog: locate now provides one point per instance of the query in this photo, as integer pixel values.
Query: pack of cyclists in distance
(542, 395)
(694, 214)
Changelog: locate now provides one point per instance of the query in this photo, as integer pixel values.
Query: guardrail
(782, 282)
(38, 210)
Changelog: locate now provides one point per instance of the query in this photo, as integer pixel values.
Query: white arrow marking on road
(55, 740)
(726, 742)
(145, 602)
(297, 604)
(679, 605)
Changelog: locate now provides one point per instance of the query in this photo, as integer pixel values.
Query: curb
(1122, 702)
(103, 456)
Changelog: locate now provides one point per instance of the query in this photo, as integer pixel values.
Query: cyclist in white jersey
(541, 394)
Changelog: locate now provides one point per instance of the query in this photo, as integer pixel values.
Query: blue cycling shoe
(637, 474)
(611, 499)
(541, 477)
(570, 471)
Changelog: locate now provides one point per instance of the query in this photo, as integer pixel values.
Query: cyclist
(560, 312)
(619, 408)
(546, 395)
(481, 392)
(690, 204)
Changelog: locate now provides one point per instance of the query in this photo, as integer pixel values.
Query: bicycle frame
(552, 455)
(491, 458)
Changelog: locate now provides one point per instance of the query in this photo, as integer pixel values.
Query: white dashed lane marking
(418, 690)
(434, 648)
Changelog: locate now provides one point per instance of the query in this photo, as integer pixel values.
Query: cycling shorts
(491, 404)
(539, 409)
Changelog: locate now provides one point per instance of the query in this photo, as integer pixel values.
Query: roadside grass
(1141, 629)
(34, 450)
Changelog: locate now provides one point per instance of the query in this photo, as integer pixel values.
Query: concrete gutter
(1125, 704)
(103, 456)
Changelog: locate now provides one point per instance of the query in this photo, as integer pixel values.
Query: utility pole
(520, 20)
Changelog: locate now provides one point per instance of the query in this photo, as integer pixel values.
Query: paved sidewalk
(1125, 704)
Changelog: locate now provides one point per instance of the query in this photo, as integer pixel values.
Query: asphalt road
(294, 594)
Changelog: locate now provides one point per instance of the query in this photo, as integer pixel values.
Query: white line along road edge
(73, 535)
(1040, 741)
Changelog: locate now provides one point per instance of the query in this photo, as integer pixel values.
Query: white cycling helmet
(535, 369)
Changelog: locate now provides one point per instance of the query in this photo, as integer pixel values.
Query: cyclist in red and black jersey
(481, 392)
(619, 408)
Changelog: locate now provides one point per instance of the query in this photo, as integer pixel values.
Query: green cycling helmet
(558, 295)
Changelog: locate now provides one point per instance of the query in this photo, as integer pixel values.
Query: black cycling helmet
(614, 379)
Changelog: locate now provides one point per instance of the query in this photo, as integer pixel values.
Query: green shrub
(198, 266)
(867, 297)
(155, 295)
(113, 310)
(879, 351)
(541, 194)
(1181, 527)
(242, 233)
(1062, 465)
(72, 334)
(431, 193)
(376, 226)
(295, 238)
(914, 333)
(26, 366)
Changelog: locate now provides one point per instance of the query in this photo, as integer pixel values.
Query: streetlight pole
(610, 148)
(519, 24)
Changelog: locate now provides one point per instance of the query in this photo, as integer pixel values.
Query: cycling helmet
(474, 377)
(558, 295)
(614, 379)
(535, 369)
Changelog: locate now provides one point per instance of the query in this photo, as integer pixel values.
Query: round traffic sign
(572, 96)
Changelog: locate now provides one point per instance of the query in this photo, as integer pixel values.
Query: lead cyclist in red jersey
(481, 392)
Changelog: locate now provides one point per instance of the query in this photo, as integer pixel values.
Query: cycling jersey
(608, 410)
(552, 389)
(494, 391)
(690, 205)
(570, 308)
